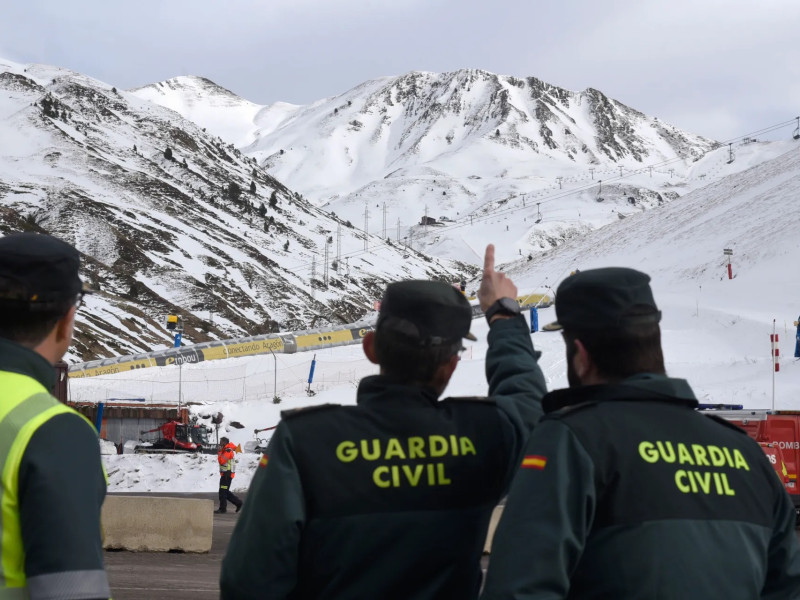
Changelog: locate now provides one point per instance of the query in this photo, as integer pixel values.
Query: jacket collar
(641, 387)
(381, 389)
(19, 359)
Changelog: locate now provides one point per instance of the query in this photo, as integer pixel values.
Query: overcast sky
(719, 68)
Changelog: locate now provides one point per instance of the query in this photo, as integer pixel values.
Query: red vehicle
(178, 437)
(778, 434)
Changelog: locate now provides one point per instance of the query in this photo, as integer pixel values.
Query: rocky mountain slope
(171, 218)
(459, 148)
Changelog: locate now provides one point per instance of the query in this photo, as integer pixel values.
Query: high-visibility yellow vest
(25, 405)
(229, 464)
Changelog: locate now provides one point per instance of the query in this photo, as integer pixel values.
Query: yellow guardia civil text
(696, 480)
(423, 450)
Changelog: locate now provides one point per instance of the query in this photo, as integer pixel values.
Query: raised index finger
(488, 260)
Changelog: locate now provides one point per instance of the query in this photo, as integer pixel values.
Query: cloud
(718, 65)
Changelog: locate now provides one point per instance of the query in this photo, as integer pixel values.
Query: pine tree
(168, 153)
(234, 191)
(273, 199)
(252, 187)
(262, 210)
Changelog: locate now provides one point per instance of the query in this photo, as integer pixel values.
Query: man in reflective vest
(53, 484)
(227, 471)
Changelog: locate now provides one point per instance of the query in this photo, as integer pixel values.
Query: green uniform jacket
(389, 499)
(60, 487)
(626, 491)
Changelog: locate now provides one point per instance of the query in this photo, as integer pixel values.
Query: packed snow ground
(716, 331)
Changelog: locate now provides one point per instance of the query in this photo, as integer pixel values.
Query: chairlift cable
(305, 266)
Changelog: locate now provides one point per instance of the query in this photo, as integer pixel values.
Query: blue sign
(534, 319)
(177, 340)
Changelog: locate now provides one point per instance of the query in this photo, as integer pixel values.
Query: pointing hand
(494, 285)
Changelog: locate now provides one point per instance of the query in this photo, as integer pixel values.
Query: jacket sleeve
(61, 492)
(515, 379)
(546, 519)
(783, 559)
(224, 456)
(262, 557)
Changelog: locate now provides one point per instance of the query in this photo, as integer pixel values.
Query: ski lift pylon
(538, 213)
(599, 197)
(796, 134)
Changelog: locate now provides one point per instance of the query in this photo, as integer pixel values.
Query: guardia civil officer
(391, 498)
(625, 490)
(53, 484)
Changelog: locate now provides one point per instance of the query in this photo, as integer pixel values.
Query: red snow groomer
(778, 434)
(177, 437)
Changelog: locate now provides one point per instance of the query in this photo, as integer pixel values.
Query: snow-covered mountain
(248, 219)
(464, 149)
(715, 330)
(170, 219)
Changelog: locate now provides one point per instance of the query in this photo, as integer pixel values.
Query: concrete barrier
(157, 524)
(496, 514)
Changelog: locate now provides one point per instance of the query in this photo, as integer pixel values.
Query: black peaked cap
(605, 298)
(37, 269)
(426, 312)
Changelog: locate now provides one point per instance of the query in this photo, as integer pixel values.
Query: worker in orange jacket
(227, 471)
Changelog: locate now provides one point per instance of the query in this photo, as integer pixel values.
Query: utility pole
(313, 272)
(325, 270)
(338, 245)
(275, 398)
(366, 226)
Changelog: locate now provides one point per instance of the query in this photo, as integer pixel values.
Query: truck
(173, 436)
(778, 434)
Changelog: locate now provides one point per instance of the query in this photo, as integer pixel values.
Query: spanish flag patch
(263, 462)
(532, 461)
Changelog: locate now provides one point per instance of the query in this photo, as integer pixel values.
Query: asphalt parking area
(178, 576)
(171, 575)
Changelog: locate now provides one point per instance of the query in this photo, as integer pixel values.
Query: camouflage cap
(604, 299)
(428, 312)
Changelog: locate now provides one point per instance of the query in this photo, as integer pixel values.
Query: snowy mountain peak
(191, 87)
(172, 219)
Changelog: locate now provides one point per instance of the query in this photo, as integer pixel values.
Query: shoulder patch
(307, 410)
(725, 422)
(472, 399)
